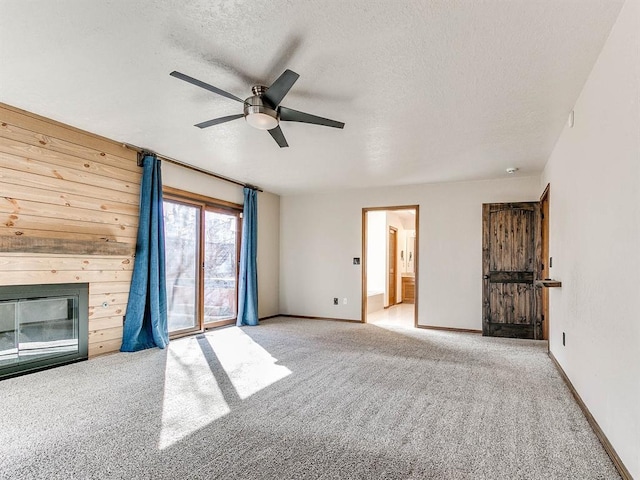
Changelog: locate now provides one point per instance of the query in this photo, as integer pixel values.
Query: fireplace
(42, 326)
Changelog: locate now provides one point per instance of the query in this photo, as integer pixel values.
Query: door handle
(486, 277)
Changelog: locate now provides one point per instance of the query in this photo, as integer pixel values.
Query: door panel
(393, 279)
(544, 213)
(181, 224)
(510, 302)
(511, 253)
(220, 266)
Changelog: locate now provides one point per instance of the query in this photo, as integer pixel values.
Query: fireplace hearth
(42, 326)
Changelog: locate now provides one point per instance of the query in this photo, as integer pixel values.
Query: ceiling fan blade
(217, 121)
(278, 136)
(206, 86)
(290, 115)
(281, 87)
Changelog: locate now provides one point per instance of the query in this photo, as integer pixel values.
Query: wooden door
(511, 265)
(393, 266)
(544, 213)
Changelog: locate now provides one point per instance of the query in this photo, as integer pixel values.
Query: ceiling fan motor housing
(259, 113)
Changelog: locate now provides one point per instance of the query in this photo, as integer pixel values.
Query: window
(202, 238)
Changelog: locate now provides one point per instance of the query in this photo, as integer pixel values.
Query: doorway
(390, 265)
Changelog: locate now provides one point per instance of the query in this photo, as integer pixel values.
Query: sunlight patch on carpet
(192, 397)
(250, 367)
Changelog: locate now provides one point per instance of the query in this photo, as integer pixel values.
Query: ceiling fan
(263, 110)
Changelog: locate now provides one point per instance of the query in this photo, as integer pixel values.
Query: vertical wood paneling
(537, 270)
(487, 237)
(511, 303)
(66, 191)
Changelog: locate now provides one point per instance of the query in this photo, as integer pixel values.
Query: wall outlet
(335, 300)
(344, 301)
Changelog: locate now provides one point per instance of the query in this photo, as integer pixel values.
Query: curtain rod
(190, 167)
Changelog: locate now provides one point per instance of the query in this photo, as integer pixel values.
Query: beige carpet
(302, 399)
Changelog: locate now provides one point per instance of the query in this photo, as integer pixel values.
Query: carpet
(308, 399)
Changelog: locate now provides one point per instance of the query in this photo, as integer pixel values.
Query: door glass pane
(47, 326)
(38, 327)
(181, 243)
(8, 331)
(220, 266)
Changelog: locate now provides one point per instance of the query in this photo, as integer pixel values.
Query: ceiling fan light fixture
(259, 115)
(261, 120)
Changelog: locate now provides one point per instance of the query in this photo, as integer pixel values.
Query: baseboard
(617, 462)
(449, 329)
(270, 316)
(306, 317)
(394, 305)
(222, 323)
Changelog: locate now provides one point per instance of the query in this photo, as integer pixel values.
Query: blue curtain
(248, 289)
(145, 323)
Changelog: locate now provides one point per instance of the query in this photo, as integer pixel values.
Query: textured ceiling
(430, 91)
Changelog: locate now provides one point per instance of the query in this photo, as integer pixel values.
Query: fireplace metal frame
(29, 292)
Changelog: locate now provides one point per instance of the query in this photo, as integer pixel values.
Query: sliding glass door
(202, 248)
(220, 266)
(181, 225)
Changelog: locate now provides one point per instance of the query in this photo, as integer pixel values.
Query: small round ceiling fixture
(260, 119)
(512, 170)
(257, 113)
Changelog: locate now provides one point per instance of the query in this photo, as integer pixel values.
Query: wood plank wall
(69, 213)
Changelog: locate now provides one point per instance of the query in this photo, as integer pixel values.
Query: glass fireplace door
(47, 326)
(42, 326)
(8, 332)
(37, 327)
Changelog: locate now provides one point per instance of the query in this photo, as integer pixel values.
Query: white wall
(376, 251)
(594, 173)
(268, 227)
(268, 254)
(192, 181)
(321, 233)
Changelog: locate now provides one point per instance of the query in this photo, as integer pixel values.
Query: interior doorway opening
(390, 265)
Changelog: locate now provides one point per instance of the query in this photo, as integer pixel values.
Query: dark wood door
(511, 265)
(393, 266)
(544, 222)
